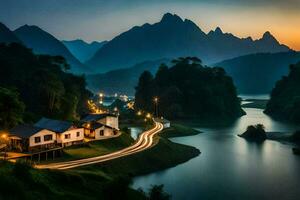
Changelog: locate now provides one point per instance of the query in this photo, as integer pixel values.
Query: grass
(163, 155)
(178, 130)
(20, 181)
(256, 103)
(95, 148)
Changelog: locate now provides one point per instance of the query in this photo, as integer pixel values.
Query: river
(231, 168)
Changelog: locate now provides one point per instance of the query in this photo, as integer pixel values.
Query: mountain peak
(268, 36)
(218, 30)
(168, 17)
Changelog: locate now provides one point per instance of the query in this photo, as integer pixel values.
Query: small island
(255, 133)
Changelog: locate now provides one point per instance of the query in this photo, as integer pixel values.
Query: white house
(95, 130)
(29, 138)
(107, 119)
(66, 133)
(166, 123)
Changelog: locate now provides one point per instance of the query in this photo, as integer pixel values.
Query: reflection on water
(229, 167)
(258, 96)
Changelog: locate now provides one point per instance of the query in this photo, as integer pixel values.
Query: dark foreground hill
(285, 97)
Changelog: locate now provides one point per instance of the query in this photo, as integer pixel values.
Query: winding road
(144, 142)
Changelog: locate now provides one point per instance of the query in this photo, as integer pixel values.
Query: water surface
(231, 168)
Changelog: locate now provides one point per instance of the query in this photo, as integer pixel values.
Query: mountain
(83, 50)
(44, 43)
(173, 37)
(6, 35)
(258, 73)
(122, 80)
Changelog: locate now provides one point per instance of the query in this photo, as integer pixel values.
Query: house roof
(57, 126)
(96, 125)
(95, 117)
(25, 130)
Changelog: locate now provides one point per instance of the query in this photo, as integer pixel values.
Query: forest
(284, 103)
(188, 89)
(33, 86)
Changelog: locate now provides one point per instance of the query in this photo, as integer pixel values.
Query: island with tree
(255, 133)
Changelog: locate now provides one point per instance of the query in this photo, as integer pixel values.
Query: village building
(166, 123)
(97, 131)
(30, 138)
(107, 119)
(66, 133)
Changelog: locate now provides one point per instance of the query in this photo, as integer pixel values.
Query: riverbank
(108, 180)
(95, 148)
(255, 103)
(178, 130)
(164, 154)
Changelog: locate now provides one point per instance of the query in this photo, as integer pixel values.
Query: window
(47, 137)
(77, 134)
(101, 132)
(67, 136)
(37, 139)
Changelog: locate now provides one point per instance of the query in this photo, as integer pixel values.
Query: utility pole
(156, 105)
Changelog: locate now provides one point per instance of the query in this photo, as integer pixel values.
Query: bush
(255, 132)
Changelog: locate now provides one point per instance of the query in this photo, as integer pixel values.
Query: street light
(148, 115)
(156, 105)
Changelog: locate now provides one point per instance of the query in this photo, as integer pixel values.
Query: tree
(157, 192)
(145, 91)
(11, 108)
(189, 89)
(284, 103)
(43, 83)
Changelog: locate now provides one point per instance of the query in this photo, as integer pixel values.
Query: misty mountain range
(252, 74)
(82, 50)
(115, 65)
(173, 37)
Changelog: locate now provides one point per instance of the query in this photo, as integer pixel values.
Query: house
(96, 130)
(107, 119)
(66, 133)
(31, 138)
(166, 123)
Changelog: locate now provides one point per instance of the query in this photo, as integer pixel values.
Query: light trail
(145, 141)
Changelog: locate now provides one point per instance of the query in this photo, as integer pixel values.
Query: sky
(104, 19)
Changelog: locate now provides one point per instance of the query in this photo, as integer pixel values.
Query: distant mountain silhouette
(122, 80)
(6, 35)
(258, 73)
(252, 74)
(83, 50)
(173, 37)
(42, 42)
